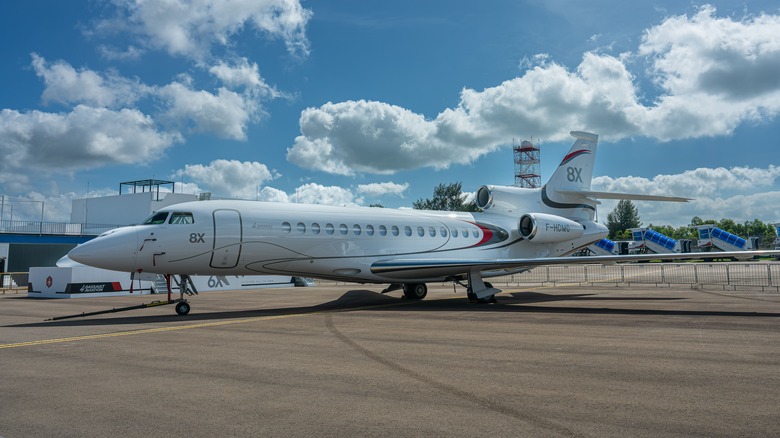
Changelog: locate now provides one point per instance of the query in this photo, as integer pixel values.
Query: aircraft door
(228, 234)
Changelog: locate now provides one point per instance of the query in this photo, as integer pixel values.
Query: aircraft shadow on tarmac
(366, 300)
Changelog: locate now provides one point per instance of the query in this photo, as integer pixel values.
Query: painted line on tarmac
(189, 326)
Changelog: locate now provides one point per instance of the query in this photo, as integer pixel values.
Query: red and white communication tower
(526, 165)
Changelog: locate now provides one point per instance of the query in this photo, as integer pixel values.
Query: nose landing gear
(185, 287)
(182, 308)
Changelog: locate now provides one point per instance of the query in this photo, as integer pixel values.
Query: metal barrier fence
(59, 228)
(756, 276)
(14, 282)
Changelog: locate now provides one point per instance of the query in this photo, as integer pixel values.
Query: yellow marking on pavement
(187, 327)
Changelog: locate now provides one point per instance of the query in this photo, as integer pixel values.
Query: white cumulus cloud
(67, 85)
(84, 138)
(729, 192)
(713, 73)
(224, 113)
(312, 193)
(271, 194)
(191, 28)
(243, 74)
(228, 178)
(382, 189)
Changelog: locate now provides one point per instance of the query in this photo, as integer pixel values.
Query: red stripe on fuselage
(487, 234)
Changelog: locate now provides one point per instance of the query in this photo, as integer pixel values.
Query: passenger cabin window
(181, 218)
(394, 229)
(156, 219)
(315, 228)
(382, 230)
(370, 230)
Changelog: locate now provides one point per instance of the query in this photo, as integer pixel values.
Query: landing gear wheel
(415, 291)
(183, 308)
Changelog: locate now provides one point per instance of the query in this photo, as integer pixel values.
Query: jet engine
(548, 228)
(499, 198)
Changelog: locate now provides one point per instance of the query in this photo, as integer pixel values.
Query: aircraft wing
(403, 268)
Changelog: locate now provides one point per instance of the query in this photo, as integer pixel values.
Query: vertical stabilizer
(573, 174)
(576, 168)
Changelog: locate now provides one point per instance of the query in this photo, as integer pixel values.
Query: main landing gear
(477, 291)
(415, 291)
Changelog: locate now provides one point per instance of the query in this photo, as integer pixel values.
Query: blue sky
(355, 102)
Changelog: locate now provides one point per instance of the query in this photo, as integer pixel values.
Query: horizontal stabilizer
(615, 195)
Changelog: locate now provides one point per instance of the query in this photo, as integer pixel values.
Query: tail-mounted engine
(499, 198)
(548, 228)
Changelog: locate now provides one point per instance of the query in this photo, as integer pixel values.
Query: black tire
(182, 308)
(415, 291)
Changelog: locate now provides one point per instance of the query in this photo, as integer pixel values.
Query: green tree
(755, 228)
(624, 216)
(377, 205)
(446, 197)
(666, 230)
(686, 232)
(728, 225)
(765, 233)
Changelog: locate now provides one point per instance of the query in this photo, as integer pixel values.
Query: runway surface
(346, 360)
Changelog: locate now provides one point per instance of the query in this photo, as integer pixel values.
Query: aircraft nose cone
(114, 250)
(83, 254)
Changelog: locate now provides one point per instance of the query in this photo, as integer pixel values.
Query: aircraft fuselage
(248, 237)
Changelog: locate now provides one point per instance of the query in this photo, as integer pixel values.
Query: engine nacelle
(548, 228)
(500, 198)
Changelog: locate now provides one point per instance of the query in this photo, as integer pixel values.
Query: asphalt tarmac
(347, 361)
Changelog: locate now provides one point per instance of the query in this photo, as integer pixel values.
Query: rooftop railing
(53, 228)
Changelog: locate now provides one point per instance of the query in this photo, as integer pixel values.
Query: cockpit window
(181, 218)
(156, 219)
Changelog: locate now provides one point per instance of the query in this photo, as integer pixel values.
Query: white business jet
(519, 228)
